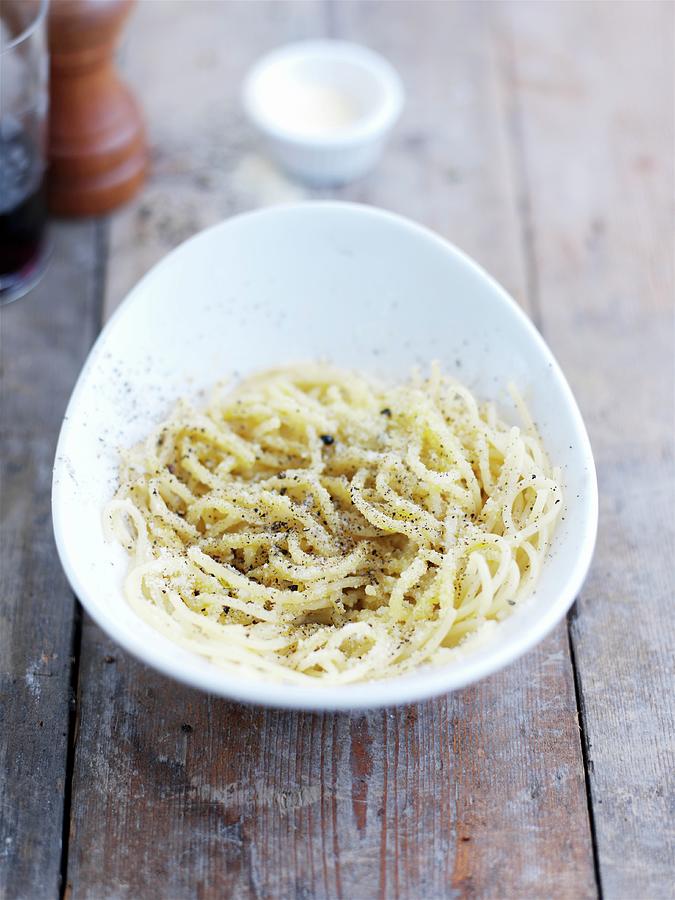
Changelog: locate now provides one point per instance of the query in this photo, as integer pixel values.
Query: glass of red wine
(24, 71)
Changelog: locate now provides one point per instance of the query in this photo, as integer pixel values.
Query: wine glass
(24, 99)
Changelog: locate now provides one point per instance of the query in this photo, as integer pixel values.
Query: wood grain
(477, 794)
(594, 92)
(178, 795)
(45, 337)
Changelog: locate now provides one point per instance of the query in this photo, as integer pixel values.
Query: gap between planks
(101, 242)
(595, 90)
(518, 160)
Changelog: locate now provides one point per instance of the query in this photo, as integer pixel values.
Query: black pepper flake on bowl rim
(327, 439)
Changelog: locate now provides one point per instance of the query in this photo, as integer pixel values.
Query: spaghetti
(313, 525)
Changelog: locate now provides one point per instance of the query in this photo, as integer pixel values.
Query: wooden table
(539, 137)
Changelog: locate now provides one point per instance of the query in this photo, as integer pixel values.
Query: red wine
(23, 202)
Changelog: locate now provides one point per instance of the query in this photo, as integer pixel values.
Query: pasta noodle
(315, 526)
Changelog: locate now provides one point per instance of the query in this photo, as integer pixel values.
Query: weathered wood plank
(594, 90)
(45, 337)
(477, 794)
(179, 795)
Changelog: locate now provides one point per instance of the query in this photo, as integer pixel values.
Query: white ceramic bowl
(356, 286)
(276, 89)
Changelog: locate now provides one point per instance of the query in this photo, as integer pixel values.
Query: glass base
(14, 286)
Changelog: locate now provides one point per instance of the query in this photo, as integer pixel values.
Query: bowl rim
(422, 684)
(366, 128)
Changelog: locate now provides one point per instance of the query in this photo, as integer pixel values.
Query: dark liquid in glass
(23, 203)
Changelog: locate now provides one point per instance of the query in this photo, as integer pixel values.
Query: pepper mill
(97, 150)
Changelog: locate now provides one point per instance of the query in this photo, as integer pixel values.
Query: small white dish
(358, 287)
(324, 108)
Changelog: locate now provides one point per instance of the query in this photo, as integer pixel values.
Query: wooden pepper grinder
(97, 149)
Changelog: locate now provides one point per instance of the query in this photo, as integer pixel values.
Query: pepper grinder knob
(97, 148)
